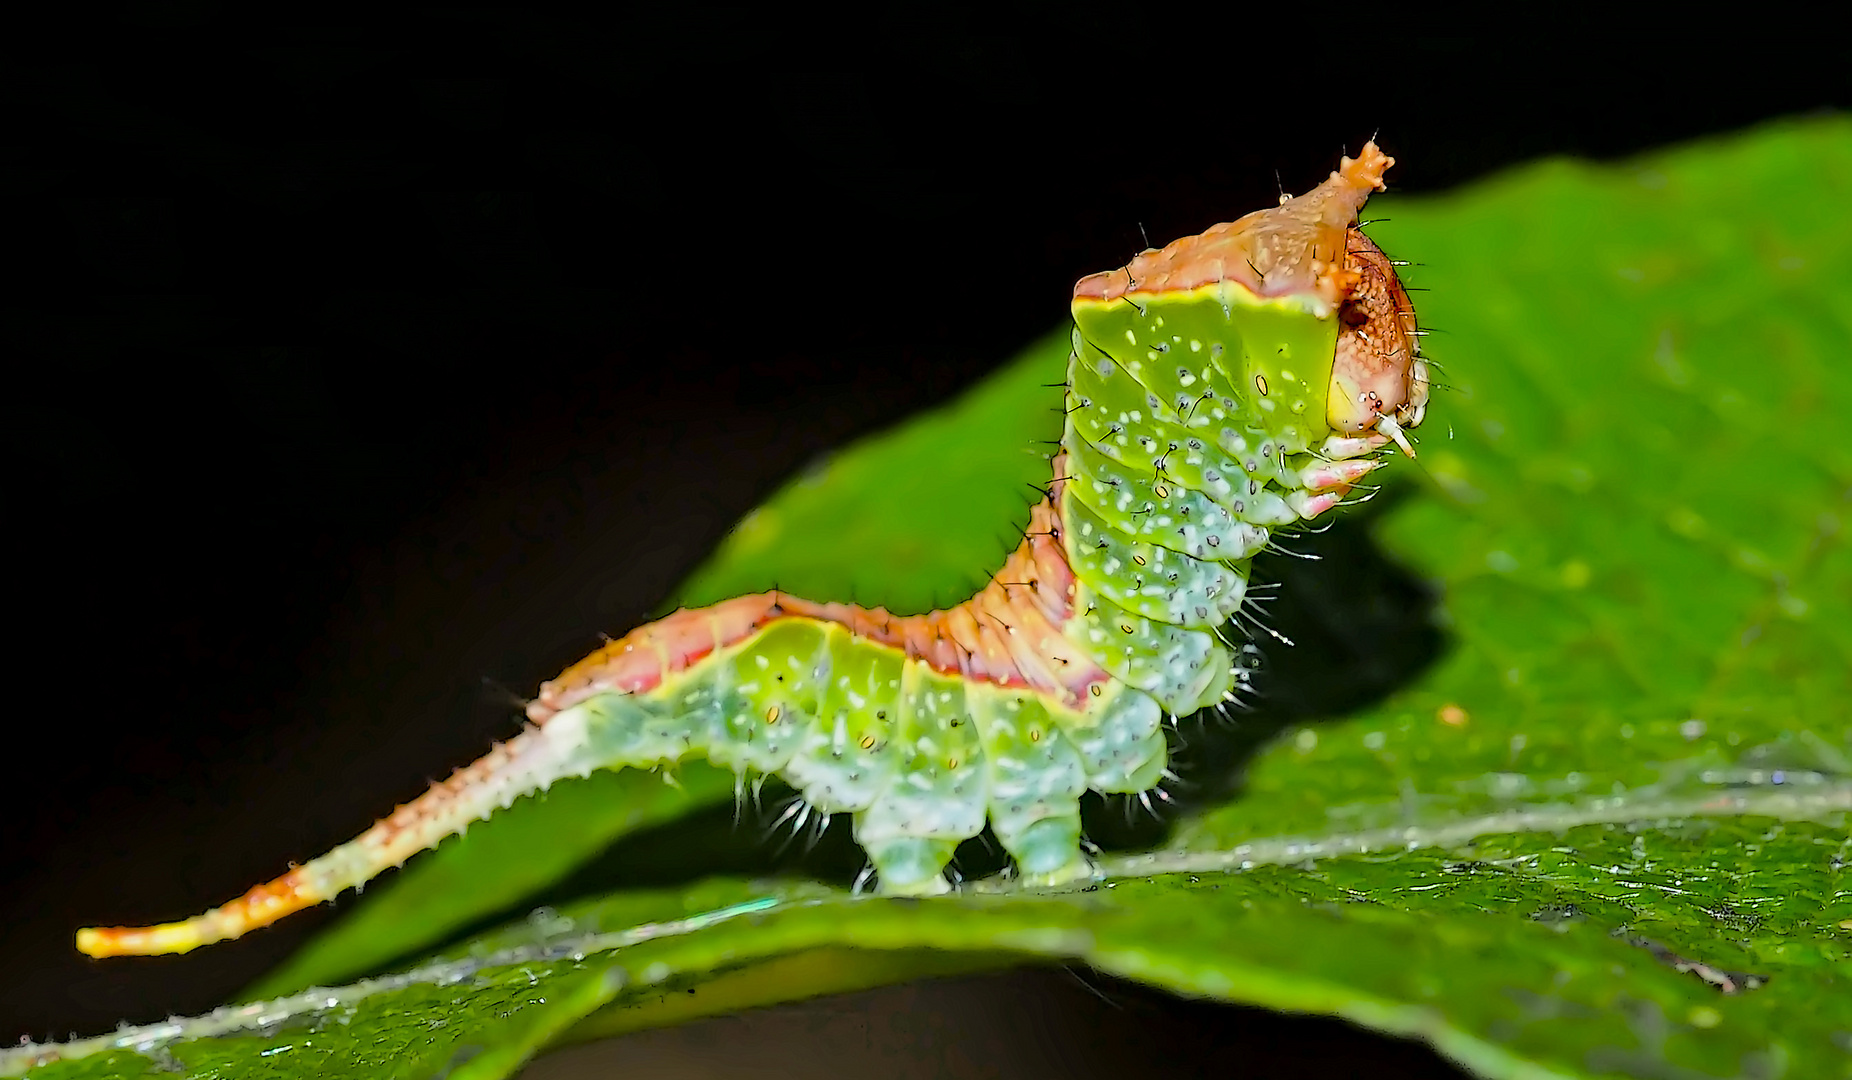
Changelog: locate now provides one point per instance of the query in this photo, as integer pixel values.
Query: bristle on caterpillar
(1231, 384)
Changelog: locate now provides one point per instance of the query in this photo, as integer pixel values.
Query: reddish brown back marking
(1008, 634)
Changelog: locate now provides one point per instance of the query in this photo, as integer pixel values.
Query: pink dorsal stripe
(1009, 634)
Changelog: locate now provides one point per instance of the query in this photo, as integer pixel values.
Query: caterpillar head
(1305, 257)
(1378, 380)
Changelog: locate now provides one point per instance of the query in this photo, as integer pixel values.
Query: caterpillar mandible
(1225, 386)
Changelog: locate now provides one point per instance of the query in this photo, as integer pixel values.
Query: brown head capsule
(1378, 379)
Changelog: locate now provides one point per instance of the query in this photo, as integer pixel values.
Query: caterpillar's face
(1378, 380)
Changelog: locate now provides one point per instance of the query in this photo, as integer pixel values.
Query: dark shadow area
(1031, 1023)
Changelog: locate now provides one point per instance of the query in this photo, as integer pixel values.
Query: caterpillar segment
(1226, 386)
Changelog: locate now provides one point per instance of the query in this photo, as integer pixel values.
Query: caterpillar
(1226, 386)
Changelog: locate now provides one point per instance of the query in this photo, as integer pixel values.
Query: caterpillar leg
(1036, 780)
(941, 789)
(1336, 475)
(1045, 756)
(1326, 484)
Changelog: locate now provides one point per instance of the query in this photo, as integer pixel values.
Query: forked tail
(528, 762)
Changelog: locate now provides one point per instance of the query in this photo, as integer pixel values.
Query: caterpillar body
(1220, 388)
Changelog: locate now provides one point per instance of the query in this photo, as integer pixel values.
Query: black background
(353, 362)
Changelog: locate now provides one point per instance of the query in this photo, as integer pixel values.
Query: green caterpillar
(1225, 386)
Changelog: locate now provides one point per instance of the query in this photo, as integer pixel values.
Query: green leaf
(1602, 834)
